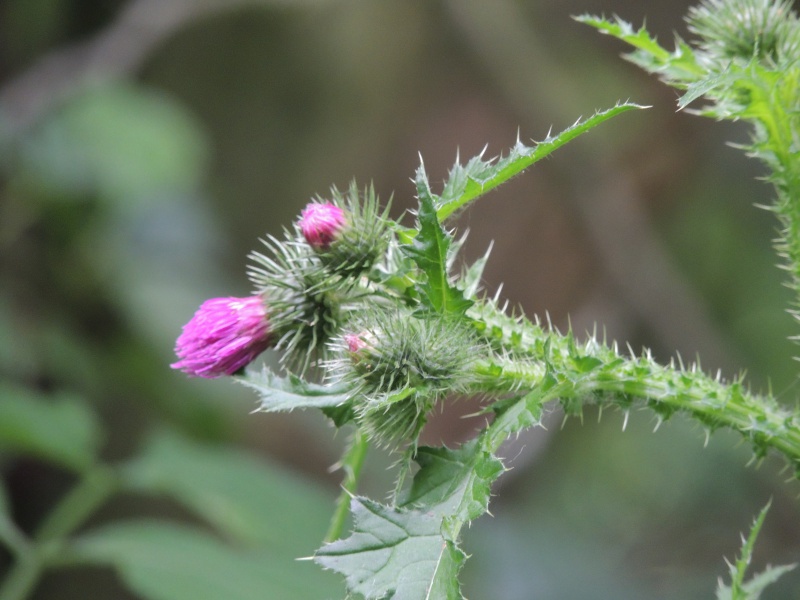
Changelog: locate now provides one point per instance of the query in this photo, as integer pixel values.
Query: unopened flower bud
(321, 224)
(400, 365)
(354, 342)
(223, 336)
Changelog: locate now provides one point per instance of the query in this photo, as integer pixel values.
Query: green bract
(400, 366)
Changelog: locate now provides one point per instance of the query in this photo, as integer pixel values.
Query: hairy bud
(745, 29)
(321, 224)
(307, 302)
(400, 365)
(348, 240)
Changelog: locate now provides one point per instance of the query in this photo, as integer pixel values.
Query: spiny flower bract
(307, 301)
(766, 30)
(362, 241)
(399, 364)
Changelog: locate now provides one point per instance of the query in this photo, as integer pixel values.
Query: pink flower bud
(321, 224)
(224, 335)
(354, 342)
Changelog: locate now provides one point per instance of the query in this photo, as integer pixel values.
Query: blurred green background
(148, 144)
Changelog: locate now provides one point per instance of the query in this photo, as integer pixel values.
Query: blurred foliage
(135, 195)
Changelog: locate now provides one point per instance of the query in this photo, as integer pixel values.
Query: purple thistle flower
(321, 223)
(224, 335)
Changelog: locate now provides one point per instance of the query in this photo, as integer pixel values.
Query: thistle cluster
(362, 306)
(373, 328)
(306, 285)
(334, 303)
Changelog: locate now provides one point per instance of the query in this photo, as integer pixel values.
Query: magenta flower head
(321, 224)
(224, 335)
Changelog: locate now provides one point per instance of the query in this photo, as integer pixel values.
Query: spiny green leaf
(161, 561)
(520, 413)
(750, 590)
(411, 551)
(429, 250)
(679, 66)
(756, 584)
(232, 490)
(705, 85)
(474, 179)
(60, 429)
(395, 553)
(291, 392)
(638, 38)
(470, 281)
(738, 570)
(454, 484)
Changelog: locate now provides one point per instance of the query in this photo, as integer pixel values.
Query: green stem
(594, 373)
(12, 538)
(352, 463)
(22, 578)
(33, 557)
(96, 486)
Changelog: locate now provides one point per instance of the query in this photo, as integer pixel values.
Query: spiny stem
(595, 373)
(352, 463)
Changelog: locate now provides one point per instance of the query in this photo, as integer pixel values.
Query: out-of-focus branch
(116, 51)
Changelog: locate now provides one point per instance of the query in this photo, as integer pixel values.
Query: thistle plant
(375, 325)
